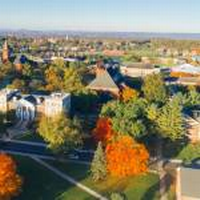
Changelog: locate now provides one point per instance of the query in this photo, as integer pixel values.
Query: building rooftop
(140, 66)
(103, 80)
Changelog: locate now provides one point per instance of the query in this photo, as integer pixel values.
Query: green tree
(154, 89)
(72, 80)
(53, 78)
(127, 118)
(171, 122)
(61, 133)
(27, 70)
(152, 112)
(117, 196)
(98, 166)
(87, 98)
(193, 97)
(18, 83)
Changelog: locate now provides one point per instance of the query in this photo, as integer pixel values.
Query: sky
(102, 15)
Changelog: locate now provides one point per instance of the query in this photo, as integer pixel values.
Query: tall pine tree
(171, 121)
(98, 166)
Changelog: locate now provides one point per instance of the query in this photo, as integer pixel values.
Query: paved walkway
(25, 142)
(70, 179)
(163, 185)
(161, 172)
(41, 144)
(45, 157)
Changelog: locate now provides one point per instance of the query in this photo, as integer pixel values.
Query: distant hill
(128, 35)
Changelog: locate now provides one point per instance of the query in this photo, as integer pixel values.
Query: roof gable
(103, 81)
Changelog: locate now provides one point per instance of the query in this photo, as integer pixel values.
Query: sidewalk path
(45, 157)
(40, 144)
(70, 179)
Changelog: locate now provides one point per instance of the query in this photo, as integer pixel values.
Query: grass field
(42, 184)
(144, 187)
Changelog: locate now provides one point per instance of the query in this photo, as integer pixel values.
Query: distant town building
(185, 70)
(138, 70)
(195, 51)
(28, 107)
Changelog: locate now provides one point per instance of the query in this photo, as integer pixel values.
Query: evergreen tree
(154, 89)
(170, 122)
(98, 166)
(117, 196)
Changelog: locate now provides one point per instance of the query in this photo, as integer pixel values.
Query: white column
(178, 183)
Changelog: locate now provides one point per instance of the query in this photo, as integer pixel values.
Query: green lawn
(144, 187)
(42, 184)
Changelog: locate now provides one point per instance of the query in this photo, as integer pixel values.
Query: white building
(57, 103)
(138, 70)
(27, 107)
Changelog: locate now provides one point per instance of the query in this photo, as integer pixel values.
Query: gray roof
(103, 80)
(189, 79)
(31, 99)
(140, 66)
(190, 182)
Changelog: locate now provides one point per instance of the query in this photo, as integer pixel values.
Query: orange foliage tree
(103, 131)
(183, 74)
(10, 181)
(126, 157)
(128, 94)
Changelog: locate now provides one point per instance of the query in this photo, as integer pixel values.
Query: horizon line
(97, 31)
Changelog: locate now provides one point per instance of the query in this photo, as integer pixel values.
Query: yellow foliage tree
(128, 94)
(10, 181)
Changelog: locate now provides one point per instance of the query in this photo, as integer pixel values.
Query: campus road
(41, 150)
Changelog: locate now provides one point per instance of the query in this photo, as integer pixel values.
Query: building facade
(138, 70)
(28, 107)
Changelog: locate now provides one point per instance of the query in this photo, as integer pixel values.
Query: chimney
(100, 68)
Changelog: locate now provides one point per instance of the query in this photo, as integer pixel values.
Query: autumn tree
(128, 93)
(126, 157)
(98, 166)
(10, 181)
(103, 131)
(53, 78)
(73, 80)
(27, 70)
(61, 133)
(154, 89)
(18, 83)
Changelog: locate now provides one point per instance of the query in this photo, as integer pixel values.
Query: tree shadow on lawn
(42, 184)
(171, 149)
(152, 194)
